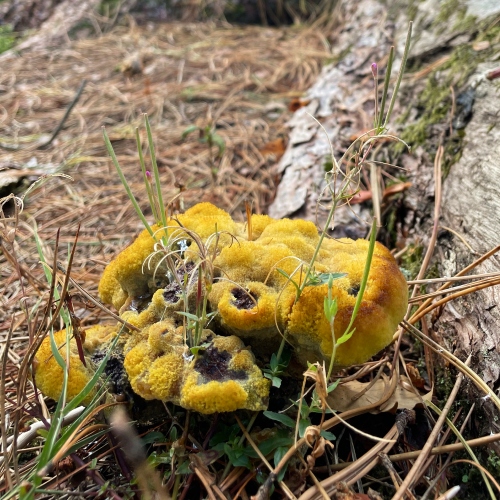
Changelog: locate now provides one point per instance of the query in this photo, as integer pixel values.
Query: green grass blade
(131, 196)
(156, 171)
(57, 419)
(85, 441)
(76, 401)
(48, 273)
(364, 280)
(146, 181)
(466, 446)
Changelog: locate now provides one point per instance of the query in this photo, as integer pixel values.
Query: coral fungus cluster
(247, 276)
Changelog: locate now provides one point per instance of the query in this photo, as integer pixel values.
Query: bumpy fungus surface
(49, 374)
(254, 303)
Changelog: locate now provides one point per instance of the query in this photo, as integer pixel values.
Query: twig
(50, 140)
(58, 129)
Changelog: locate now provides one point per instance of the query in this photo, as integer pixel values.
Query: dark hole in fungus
(213, 365)
(243, 299)
(114, 370)
(140, 303)
(353, 290)
(172, 292)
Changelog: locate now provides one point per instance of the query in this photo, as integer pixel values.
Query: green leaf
(156, 172)
(183, 468)
(119, 171)
(189, 315)
(274, 361)
(330, 307)
(195, 350)
(268, 446)
(173, 434)
(280, 417)
(346, 337)
(226, 434)
(218, 141)
(189, 130)
(290, 279)
(333, 386)
(304, 423)
(324, 278)
(278, 455)
(76, 401)
(237, 456)
(43, 432)
(328, 435)
(159, 458)
(276, 381)
(153, 437)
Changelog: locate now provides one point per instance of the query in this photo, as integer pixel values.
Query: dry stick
(3, 418)
(396, 480)
(357, 469)
(412, 455)
(454, 278)
(25, 437)
(398, 336)
(463, 272)
(447, 448)
(324, 494)
(272, 474)
(415, 470)
(130, 443)
(450, 456)
(206, 484)
(469, 286)
(337, 419)
(480, 467)
(50, 140)
(449, 494)
(437, 211)
(460, 365)
(474, 288)
(416, 316)
(27, 360)
(58, 129)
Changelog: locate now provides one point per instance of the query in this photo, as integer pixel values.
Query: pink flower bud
(374, 70)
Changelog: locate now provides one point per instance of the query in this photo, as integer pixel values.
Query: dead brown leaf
(365, 195)
(297, 103)
(343, 398)
(276, 148)
(414, 375)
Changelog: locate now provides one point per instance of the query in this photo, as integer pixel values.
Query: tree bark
(468, 127)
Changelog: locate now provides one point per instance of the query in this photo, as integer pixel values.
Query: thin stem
(400, 74)
(155, 171)
(125, 183)
(366, 272)
(387, 81)
(145, 177)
